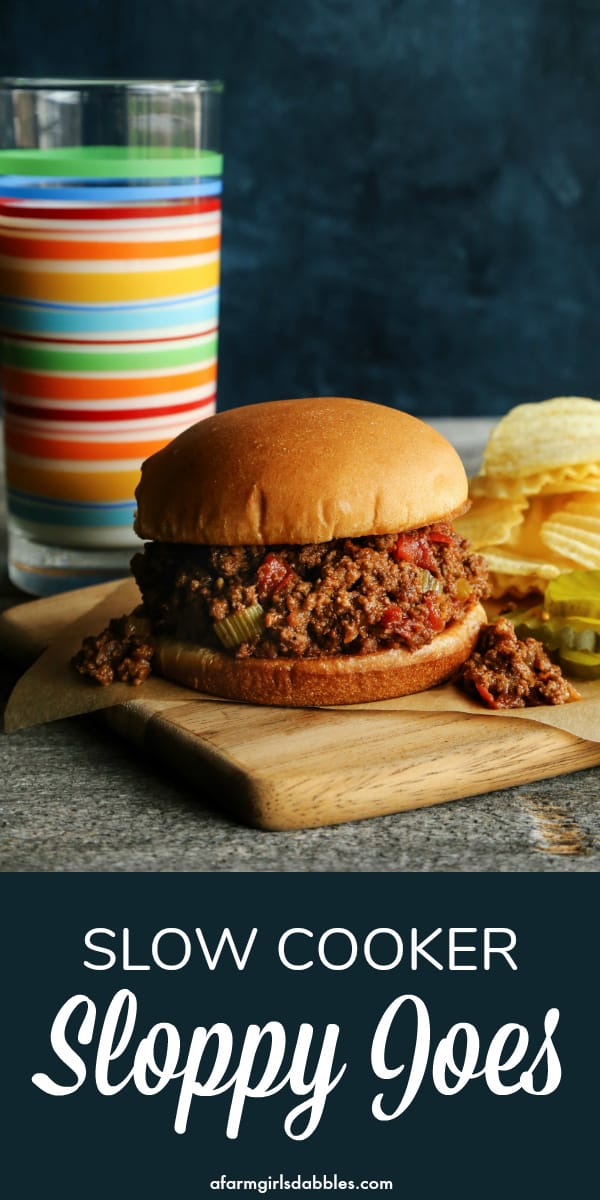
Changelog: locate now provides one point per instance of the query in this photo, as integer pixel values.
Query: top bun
(299, 471)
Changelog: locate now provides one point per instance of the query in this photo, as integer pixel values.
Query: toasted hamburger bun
(299, 471)
(304, 682)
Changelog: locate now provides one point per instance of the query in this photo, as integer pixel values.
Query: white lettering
(226, 939)
(208, 1069)
(418, 948)
(444, 1059)
(454, 948)
(92, 945)
(62, 1049)
(352, 953)
(282, 950)
(452, 1070)
(419, 1060)
(489, 949)
(547, 1050)
(378, 933)
(187, 949)
(127, 964)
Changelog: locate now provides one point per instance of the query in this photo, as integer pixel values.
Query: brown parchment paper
(51, 689)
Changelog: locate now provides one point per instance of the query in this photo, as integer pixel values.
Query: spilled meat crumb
(504, 672)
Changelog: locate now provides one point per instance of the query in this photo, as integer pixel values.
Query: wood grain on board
(278, 768)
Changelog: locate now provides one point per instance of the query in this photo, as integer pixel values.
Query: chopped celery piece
(240, 627)
(429, 583)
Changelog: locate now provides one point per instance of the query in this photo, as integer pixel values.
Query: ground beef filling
(122, 653)
(350, 596)
(504, 672)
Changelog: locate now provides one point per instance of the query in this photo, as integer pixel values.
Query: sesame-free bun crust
(304, 682)
(299, 471)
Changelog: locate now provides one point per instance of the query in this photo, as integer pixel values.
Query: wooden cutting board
(278, 768)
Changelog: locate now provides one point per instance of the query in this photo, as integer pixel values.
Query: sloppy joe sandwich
(301, 552)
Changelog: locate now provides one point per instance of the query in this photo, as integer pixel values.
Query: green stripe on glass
(112, 162)
(46, 358)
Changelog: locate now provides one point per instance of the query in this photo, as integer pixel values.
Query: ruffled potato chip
(536, 500)
(535, 438)
(561, 480)
(489, 521)
(524, 555)
(519, 587)
(521, 576)
(526, 538)
(574, 530)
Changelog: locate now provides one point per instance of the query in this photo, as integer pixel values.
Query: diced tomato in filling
(435, 618)
(486, 695)
(414, 548)
(393, 620)
(272, 574)
(441, 535)
(392, 616)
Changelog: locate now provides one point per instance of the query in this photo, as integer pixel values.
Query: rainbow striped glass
(109, 289)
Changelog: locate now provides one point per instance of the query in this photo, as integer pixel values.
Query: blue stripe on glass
(20, 187)
(85, 319)
(70, 512)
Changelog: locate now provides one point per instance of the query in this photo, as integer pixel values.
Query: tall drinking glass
(110, 223)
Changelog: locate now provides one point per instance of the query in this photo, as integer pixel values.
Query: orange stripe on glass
(77, 387)
(96, 451)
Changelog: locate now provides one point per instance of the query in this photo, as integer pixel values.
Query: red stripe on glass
(14, 208)
(96, 414)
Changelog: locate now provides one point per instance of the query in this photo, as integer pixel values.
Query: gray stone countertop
(76, 798)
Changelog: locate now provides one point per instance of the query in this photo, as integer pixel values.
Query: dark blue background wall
(412, 187)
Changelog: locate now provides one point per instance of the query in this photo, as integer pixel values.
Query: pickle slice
(568, 624)
(542, 631)
(240, 627)
(575, 593)
(580, 663)
(584, 639)
(556, 633)
(579, 622)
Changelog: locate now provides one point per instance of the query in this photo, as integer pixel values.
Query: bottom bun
(304, 682)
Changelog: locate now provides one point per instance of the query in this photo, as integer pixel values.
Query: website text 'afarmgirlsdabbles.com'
(300, 1183)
